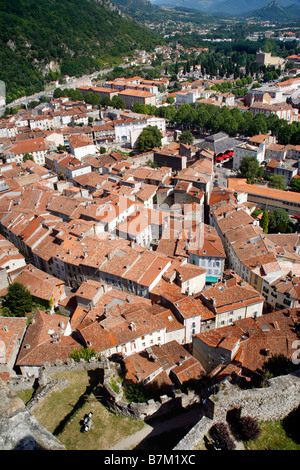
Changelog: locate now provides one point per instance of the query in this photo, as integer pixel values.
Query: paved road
(223, 173)
(24, 100)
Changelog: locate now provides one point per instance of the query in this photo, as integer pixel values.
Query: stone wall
(19, 429)
(115, 402)
(146, 410)
(273, 402)
(270, 403)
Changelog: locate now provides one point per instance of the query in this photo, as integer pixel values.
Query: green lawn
(273, 437)
(62, 413)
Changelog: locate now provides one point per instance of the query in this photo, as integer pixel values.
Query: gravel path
(132, 441)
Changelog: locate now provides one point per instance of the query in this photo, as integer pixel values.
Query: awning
(211, 279)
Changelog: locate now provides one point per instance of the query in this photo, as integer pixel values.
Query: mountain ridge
(273, 11)
(228, 7)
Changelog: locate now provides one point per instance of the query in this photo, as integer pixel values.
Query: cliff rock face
(19, 430)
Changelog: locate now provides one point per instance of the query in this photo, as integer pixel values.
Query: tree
(149, 138)
(91, 98)
(258, 125)
(185, 114)
(277, 181)
(295, 185)
(285, 133)
(18, 300)
(118, 102)
(256, 212)
(170, 99)
(264, 221)
(28, 156)
(186, 137)
(250, 168)
(105, 101)
(279, 221)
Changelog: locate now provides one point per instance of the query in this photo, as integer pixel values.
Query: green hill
(42, 40)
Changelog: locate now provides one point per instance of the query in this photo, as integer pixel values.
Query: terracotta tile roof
(29, 146)
(141, 93)
(77, 141)
(240, 184)
(12, 330)
(257, 338)
(39, 345)
(113, 331)
(230, 294)
(234, 219)
(39, 283)
(170, 356)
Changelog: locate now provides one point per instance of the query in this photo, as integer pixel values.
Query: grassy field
(273, 437)
(62, 413)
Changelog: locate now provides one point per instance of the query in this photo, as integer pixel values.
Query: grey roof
(219, 143)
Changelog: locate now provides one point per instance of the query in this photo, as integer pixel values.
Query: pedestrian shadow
(95, 377)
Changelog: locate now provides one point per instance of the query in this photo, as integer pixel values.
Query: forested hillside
(74, 36)
(145, 12)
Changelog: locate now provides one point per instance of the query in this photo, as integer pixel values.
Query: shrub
(135, 393)
(82, 353)
(220, 432)
(114, 385)
(249, 428)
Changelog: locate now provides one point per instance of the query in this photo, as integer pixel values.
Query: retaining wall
(273, 402)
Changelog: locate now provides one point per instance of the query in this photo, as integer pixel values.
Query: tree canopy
(277, 181)
(77, 36)
(250, 168)
(279, 221)
(17, 302)
(295, 185)
(186, 137)
(149, 138)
